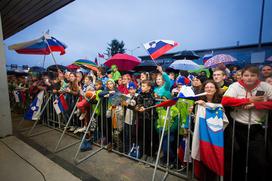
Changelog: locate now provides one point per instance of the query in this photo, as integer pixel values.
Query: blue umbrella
(184, 65)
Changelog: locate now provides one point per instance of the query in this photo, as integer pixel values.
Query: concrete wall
(5, 116)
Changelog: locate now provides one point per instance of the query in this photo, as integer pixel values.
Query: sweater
(238, 95)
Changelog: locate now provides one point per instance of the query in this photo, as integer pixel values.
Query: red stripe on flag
(167, 103)
(63, 102)
(212, 156)
(162, 50)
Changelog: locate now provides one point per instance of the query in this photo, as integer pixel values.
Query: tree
(115, 47)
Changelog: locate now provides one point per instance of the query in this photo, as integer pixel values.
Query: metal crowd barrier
(124, 146)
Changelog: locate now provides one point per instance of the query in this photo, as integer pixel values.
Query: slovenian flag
(19, 96)
(34, 110)
(157, 48)
(207, 57)
(41, 46)
(60, 104)
(208, 139)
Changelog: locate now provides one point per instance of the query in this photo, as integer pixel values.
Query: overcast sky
(86, 26)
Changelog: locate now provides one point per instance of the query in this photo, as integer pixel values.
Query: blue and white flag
(34, 110)
(17, 96)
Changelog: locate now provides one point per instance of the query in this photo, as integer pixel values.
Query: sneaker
(80, 130)
(82, 116)
(72, 128)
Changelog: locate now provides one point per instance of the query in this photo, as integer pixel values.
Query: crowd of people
(246, 95)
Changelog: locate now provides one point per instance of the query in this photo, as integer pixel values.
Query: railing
(141, 132)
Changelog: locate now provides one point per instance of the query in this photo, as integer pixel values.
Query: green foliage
(115, 47)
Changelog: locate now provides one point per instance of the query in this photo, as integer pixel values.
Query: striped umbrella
(86, 64)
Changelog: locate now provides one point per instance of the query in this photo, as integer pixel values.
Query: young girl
(163, 85)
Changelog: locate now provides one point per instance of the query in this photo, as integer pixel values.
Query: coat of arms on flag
(208, 139)
(34, 110)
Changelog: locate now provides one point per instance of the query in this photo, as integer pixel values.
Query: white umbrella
(184, 65)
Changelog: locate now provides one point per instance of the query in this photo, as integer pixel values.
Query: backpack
(135, 151)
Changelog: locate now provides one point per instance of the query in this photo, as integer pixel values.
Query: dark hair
(147, 82)
(89, 77)
(218, 94)
(102, 70)
(252, 69)
(99, 82)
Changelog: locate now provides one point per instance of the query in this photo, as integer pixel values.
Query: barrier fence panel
(29, 134)
(72, 103)
(92, 119)
(139, 138)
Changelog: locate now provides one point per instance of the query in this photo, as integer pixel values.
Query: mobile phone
(260, 93)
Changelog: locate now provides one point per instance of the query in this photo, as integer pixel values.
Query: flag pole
(160, 146)
(43, 61)
(51, 52)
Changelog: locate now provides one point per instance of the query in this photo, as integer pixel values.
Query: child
(145, 119)
(83, 105)
(115, 73)
(130, 104)
(115, 112)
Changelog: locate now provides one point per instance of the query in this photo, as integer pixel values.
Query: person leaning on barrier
(113, 114)
(213, 96)
(144, 100)
(129, 127)
(251, 99)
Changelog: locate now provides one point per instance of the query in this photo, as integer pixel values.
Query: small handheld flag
(34, 110)
(60, 104)
(157, 48)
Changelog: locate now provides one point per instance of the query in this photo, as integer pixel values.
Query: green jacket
(183, 106)
(116, 75)
(172, 120)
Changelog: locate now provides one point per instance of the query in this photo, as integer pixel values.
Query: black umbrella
(55, 68)
(147, 65)
(186, 54)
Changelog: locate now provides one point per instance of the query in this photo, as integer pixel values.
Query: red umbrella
(73, 67)
(124, 62)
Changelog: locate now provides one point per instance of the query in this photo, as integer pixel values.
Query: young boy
(146, 120)
(130, 104)
(250, 99)
(115, 73)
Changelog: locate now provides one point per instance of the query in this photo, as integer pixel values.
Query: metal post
(65, 128)
(35, 123)
(51, 53)
(261, 24)
(232, 150)
(84, 136)
(247, 150)
(160, 145)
